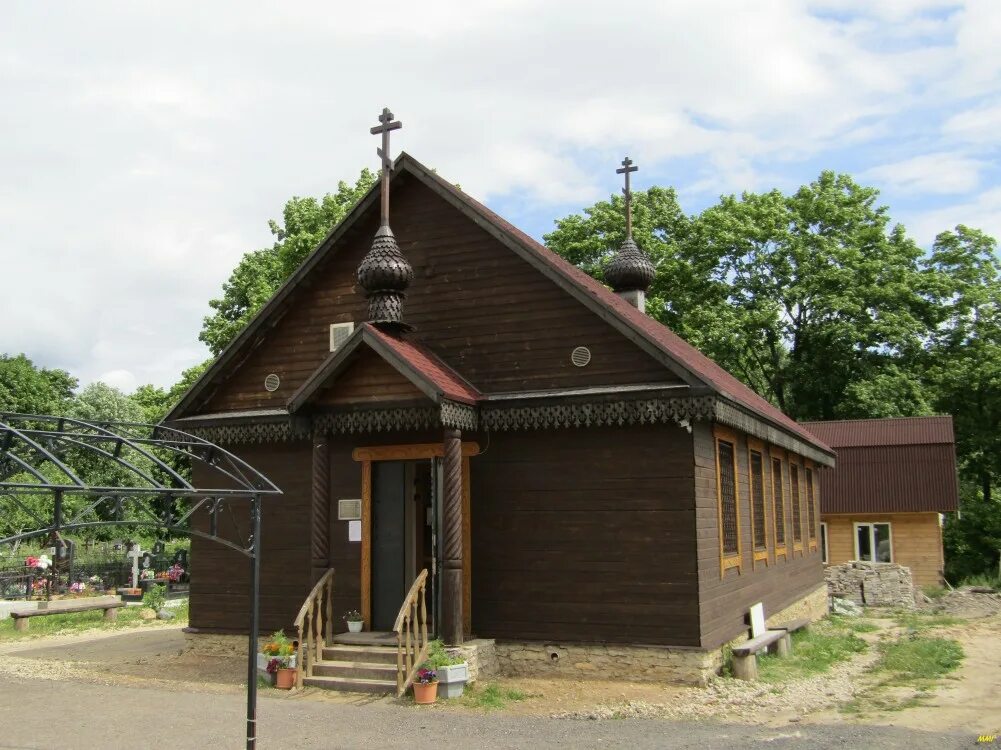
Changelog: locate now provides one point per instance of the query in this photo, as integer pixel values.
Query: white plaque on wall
(354, 531)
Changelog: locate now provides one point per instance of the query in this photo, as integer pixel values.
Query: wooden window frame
(855, 528)
(413, 452)
(797, 497)
(825, 543)
(756, 446)
(780, 454)
(726, 562)
(812, 529)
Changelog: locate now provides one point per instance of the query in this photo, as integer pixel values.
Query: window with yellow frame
(779, 512)
(759, 505)
(796, 498)
(728, 500)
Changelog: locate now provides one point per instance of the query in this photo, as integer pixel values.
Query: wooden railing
(314, 624)
(411, 630)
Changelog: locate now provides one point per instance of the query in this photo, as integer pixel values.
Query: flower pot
(425, 693)
(355, 626)
(285, 679)
(453, 680)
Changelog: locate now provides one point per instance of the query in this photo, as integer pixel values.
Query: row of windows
(780, 496)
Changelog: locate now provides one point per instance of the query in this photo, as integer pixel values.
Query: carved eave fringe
(498, 417)
(729, 414)
(682, 411)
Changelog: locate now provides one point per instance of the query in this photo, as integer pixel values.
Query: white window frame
(872, 540)
(825, 556)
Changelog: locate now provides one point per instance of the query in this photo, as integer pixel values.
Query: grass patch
(919, 622)
(815, 650)
(983, 579)
(919, 657)
(910, 668)
(489, 697)
(76, 622)
(935, 592)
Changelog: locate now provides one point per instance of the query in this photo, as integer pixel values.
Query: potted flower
(425, 685)
(280, 654)
(354, 620)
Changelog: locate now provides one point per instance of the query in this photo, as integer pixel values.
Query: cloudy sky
(144, 146)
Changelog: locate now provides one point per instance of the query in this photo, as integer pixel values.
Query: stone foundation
(812, 607)
(610, 662)
(871, 584)
(481, 658)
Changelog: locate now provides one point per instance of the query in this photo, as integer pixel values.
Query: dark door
(388, 527)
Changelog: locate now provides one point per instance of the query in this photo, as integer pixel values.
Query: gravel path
(118, 717)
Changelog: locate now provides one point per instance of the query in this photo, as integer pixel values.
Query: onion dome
(631, 269)
(385, 274)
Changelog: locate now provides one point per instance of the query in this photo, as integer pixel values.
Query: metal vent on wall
(580, 356)
(339, 333)
(271, 383)
(348, 509)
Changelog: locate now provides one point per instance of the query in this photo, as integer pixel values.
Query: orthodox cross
(386, 124)
(627, 167)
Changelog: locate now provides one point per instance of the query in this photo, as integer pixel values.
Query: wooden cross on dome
(627, 167)
(386, 124)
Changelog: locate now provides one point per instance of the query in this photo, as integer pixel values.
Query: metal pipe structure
(150, 486)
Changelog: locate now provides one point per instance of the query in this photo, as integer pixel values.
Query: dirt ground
(969, 700)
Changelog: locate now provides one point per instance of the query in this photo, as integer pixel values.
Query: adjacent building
(885, 500)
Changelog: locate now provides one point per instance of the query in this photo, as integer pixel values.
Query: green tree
(813, 299)
(155, 402)
(964, 351)
(28, 389)
(305, 223)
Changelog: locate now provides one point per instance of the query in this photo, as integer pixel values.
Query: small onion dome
(631, 269)
(384, 268)
(385, 274)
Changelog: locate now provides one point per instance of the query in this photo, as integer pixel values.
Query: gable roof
(902, 465)
(412, 360)
(656, 339)
(851, 433)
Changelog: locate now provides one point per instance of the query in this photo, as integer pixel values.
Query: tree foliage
(28, 389)
(824, 306)
(305, 223)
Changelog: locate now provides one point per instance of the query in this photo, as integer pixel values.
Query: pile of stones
(871, 584)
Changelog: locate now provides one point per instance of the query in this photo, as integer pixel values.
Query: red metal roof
(667, 340)
(897, 431)
(905, 465)
(425, 362)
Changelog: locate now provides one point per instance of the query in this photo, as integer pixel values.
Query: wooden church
(450, 396)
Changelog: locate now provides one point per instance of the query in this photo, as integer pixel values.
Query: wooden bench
(21, 619)
(745, 660)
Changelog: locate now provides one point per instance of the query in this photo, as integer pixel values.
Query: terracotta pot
(285, 679)
(425, 693)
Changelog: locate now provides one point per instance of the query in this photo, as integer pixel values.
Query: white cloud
(143, 148)
(929, 173)
(980, 125)
(982, 212)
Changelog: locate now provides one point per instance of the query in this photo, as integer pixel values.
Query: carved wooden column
(320, 538)
(451, 604)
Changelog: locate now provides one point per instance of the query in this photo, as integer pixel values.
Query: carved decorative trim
(378, 420)
(250, 432)
(459, 416)
(728, 414)
(610, 413)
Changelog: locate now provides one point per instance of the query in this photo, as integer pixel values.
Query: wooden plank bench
(21, 619)
(745, 660)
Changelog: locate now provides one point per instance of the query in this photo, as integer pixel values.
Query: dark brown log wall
(586, 535)
(220, 576)
(499, 322)
(369, 379)
(724, 602)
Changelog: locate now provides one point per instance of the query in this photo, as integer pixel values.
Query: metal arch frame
(28, 441)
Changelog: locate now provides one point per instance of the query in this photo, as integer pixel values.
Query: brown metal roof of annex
(903, 465)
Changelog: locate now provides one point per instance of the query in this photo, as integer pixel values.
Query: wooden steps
(355, 668)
